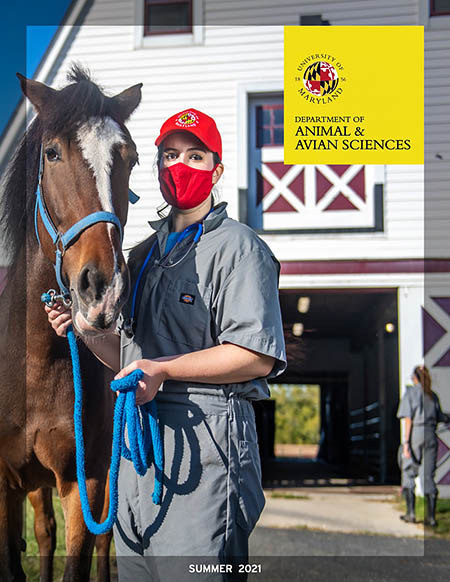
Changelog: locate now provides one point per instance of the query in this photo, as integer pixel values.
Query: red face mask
(185, 187)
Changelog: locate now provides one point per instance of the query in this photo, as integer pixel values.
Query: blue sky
(27, 29)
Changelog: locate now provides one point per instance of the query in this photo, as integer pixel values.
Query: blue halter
(63, 241)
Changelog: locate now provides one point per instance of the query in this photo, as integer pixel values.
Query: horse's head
(87, 156)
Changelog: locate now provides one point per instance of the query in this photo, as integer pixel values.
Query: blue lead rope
(143, 432)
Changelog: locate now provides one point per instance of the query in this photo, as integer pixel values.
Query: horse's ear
(128, 100)
(38, 93)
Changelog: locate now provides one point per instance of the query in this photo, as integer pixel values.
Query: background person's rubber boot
(410, 515)
(430, 510)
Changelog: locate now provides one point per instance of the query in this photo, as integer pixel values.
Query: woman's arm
(440, 416)
(224, 364)
(408, 426)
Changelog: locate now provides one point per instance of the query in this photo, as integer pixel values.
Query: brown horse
(86, 153)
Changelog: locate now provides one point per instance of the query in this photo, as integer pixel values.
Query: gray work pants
(212, 494)
(423, 445)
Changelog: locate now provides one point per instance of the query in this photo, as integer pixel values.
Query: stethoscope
(129, 325)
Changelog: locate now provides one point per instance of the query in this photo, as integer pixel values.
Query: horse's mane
(75, 104)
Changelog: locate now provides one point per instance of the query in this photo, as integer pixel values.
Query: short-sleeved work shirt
(224, 289)
(422, 409)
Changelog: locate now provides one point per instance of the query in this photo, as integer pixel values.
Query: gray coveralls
(425, 413)
(224, 290)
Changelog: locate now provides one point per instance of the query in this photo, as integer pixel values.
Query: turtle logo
(320, 78)
(187, 119)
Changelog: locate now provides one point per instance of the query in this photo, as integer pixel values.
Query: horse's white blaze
(96, 138)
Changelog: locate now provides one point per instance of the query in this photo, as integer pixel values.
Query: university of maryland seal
(320, 78)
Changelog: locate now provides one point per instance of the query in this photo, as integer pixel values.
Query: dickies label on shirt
(187, 298)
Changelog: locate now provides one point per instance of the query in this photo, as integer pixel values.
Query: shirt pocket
(186, 314)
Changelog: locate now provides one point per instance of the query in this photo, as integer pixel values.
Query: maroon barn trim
(367, 267)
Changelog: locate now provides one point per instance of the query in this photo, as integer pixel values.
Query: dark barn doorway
(346, 342)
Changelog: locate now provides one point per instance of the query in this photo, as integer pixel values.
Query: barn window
(439, 7)
(303, 198)
(269, 125)
(313, 20)
(167, 17)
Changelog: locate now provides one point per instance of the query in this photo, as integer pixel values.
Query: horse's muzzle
(96, 306)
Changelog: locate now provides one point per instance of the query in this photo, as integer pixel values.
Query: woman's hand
(406, 451)
(59, 317)
(154, 376)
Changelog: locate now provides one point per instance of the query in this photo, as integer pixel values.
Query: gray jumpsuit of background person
(425, 413)
(224, 290)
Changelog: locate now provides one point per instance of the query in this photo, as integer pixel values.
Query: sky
(27, 29)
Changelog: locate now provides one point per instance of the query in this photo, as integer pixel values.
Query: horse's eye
(52, 155)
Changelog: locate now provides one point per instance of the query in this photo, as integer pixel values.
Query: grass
(30, 558)
(442, 530)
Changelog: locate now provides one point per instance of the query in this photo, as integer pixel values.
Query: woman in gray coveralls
(206, 330)
(421, 410)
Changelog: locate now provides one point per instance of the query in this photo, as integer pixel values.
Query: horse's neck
(29, 276)
(25, 334)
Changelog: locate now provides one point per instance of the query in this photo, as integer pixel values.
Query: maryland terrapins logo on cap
(187, 119)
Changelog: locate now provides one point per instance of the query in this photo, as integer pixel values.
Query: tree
(297, 413)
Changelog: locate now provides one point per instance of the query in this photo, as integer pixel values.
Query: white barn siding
(259, 12)
(437, 137)
(107, 12)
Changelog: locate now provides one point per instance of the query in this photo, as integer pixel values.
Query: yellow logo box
(353, 95)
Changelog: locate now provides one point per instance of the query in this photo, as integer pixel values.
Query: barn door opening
(348, 346)
(297, 420)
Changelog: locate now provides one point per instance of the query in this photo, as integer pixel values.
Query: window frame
(434, 12)
(196, 37)
(270, 107)
(146, 31)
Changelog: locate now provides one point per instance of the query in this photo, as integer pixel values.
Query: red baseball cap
(197, 123)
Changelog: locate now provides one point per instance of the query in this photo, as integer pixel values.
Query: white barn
(367, 245)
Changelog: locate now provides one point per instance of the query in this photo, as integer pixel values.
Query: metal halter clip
(128, 327)
(52, 297)
(59, 244)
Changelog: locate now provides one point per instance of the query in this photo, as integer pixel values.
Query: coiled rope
(141, 424)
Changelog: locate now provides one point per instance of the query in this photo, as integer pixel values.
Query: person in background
(421, 411)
